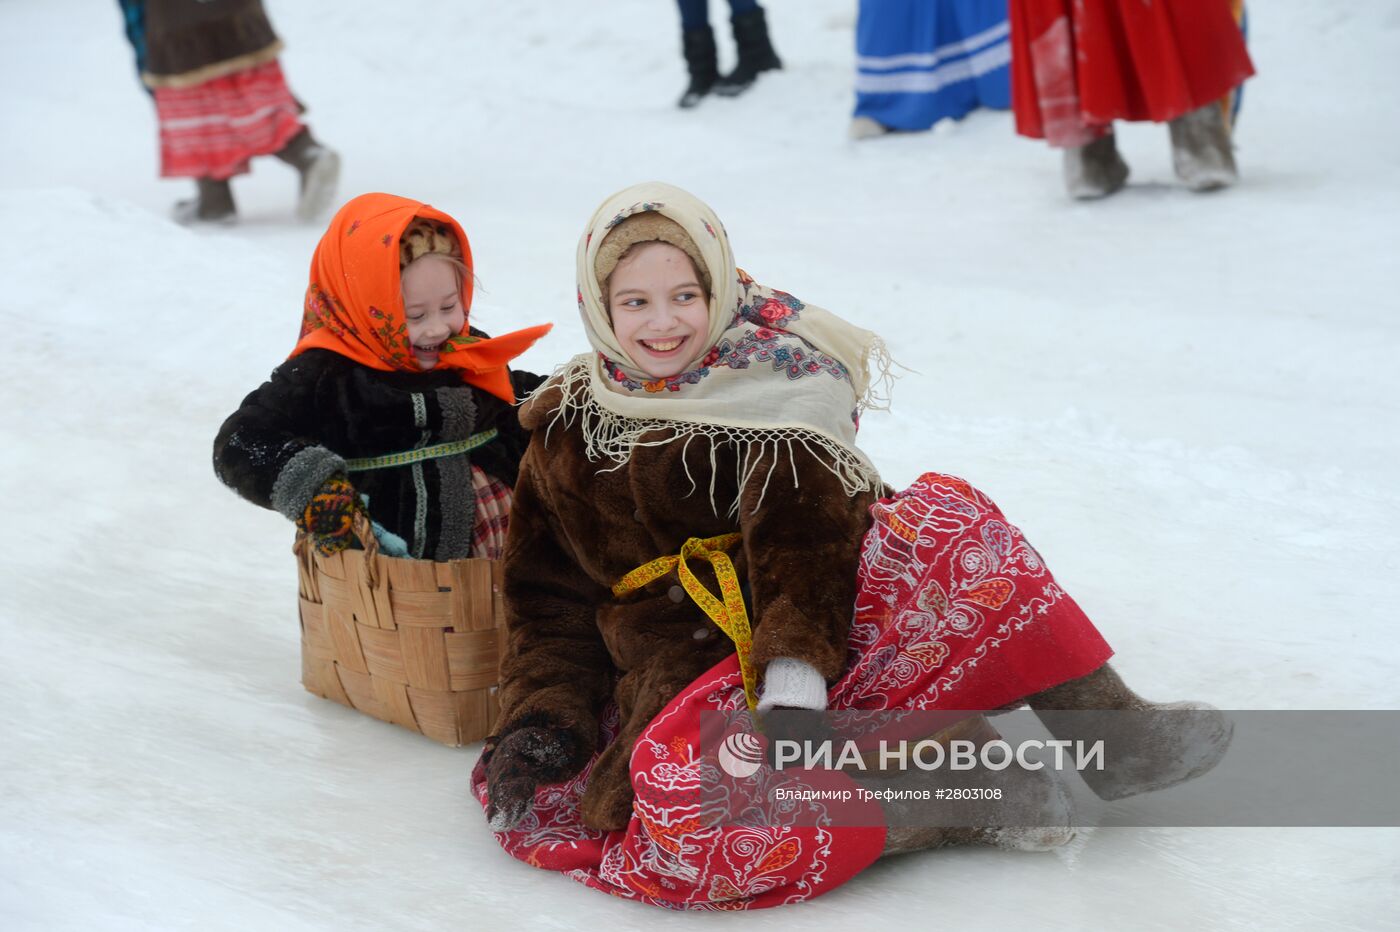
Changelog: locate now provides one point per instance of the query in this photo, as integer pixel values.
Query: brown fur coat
(575, 531)
(189, 42)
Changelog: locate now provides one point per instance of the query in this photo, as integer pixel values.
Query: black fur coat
(319, 409)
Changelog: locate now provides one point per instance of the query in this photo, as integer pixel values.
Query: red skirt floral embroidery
(956, 611)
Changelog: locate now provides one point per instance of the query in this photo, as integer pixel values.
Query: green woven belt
(425, 453)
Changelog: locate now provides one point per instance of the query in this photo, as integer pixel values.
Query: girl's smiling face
(432, 306)
(660, 312)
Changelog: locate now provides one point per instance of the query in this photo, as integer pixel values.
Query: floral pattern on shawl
(797, 359)
(322, 309)
(777, 309)
(638, 208)
(672, 383)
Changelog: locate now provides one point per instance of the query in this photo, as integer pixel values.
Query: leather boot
(319, 168)
(1095, 170)
(698, 46)
(1147, 745)
(755, 53)
(212, 203)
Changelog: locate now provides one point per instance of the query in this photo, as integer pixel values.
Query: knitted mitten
(329, 515)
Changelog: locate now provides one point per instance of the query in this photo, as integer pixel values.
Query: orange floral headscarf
(354, 303)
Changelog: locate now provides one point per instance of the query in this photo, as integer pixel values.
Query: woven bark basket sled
(412, 642)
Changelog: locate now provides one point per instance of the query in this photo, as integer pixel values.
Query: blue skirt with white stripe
(920, 61)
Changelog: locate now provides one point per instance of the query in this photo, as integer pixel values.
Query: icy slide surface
(1188, 403)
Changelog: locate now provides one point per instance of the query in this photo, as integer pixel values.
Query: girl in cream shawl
(695, 530)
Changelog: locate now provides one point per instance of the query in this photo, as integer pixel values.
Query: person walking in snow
(706, 444)
(221, 100)
(391, 403)
(755, 50)
(1079, 65)
(921, 61)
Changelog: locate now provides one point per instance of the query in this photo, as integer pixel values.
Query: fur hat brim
(649, 227)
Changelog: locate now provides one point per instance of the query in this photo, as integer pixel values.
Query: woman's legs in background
(755, 49)
(698, 47)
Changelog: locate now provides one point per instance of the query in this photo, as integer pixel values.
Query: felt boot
(1095, 170)
(698, 46)
(864, 127)
(1202, 153)
(212, 203)
(755, 53)
(1033, 813)
(319, 168)
(1147, 745)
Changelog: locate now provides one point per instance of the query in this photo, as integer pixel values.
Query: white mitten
(793, 684)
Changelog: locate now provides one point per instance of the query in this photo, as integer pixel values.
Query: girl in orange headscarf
(390, 401)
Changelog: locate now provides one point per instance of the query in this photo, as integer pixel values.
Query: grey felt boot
(864, 127)
(1034, 811)
(1095, 170)
(212, 203)
(1202, 153)
(1147, 745)
(319, 168)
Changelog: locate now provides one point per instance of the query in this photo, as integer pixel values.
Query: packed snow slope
(1189, 403)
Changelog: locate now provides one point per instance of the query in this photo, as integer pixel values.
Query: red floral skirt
(1078, 65)
(956, 611)
(211, 130)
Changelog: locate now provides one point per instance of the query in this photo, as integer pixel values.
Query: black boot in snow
(1095, 170)
(698, 46)
(319, 168)
(1202, 153)
(755, 53)
(212, 203)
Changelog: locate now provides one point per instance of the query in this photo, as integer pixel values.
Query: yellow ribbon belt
(727, 611)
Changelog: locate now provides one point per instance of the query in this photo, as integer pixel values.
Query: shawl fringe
(611, 437)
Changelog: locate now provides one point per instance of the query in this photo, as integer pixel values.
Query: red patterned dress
(956, 611)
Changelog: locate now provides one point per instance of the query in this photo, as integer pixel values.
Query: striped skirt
(921, 61)
(212, 130)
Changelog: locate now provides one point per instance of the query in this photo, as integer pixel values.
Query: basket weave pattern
(411, 642)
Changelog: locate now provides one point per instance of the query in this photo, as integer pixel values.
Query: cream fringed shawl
(776, 372)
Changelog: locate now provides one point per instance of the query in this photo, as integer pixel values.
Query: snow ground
(1188, 402)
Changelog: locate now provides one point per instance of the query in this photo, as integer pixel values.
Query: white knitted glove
(792, 683)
